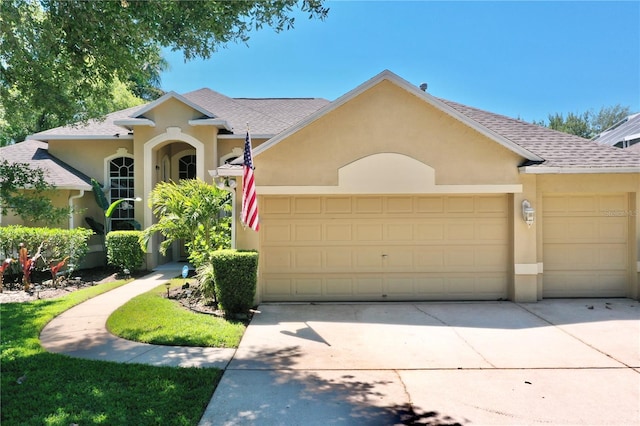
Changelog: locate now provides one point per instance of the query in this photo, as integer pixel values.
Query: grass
(152, 318)
(41, 388)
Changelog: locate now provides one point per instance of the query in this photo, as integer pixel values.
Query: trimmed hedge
(124, 250)
(56, 244)
(235, 277)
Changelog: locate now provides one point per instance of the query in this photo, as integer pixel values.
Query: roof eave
(576, 170)
(216, 122)
(130, 122)
(41, 137)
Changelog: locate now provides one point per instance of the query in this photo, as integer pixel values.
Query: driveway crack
(575, 337)
(455, 330)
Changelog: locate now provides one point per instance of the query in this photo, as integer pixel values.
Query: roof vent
(423, 87)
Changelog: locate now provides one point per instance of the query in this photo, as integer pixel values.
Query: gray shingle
(35, 154)
(557, 148)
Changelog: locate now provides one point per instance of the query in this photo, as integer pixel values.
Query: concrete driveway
(560, 362)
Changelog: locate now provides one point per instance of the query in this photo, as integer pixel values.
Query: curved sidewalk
(81, 332)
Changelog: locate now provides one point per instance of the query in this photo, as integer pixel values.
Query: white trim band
(527, 268)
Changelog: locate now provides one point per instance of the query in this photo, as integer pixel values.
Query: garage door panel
(368, 232)
(461, 231)
(369, 286)
(429, 232)
(276, 258)
(400, 232)
(385, 248)
(586, 229)
(584, 284)
(335, 232)
(339, 259)
(307, 259)
(307, 232)
(338, 286)
(585, 251)
(368, 259)
(277, 232)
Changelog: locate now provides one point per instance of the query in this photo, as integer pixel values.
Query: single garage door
(585, 250)
(364, 248)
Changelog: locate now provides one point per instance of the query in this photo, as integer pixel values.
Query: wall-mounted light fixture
(225, 183)
(528, 213)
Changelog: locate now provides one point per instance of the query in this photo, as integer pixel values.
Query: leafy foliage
(56, 244)
(24, 191)
(236, 277)
(588, 124)
(62, 61)
(194, 211)
(124, 251)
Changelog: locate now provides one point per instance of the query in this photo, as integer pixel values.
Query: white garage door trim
(347, 248)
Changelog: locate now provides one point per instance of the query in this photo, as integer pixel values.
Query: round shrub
(124, 251)
(236, 277)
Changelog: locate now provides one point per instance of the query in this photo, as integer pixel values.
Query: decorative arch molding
(389, 173)
(172, 134)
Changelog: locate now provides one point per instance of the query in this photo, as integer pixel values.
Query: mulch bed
(13, 291)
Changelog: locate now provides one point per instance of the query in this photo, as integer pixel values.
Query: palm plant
(193, 211)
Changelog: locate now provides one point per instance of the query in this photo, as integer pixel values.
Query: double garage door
(373, 248)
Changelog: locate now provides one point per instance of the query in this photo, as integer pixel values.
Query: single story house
(385, 194)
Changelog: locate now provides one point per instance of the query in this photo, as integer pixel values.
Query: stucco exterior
(423, 185)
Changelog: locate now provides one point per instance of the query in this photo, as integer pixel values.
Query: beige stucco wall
(384, 119)
(88, 156)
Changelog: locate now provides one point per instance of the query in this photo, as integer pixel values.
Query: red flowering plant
(27, 264)
(3, 267)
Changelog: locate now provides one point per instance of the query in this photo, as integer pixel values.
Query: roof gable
(395, 79)
(172, 95)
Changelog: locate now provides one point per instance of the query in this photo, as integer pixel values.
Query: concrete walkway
(81, 332)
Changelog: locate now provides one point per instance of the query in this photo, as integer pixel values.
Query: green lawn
(40, 388)
(152, 318)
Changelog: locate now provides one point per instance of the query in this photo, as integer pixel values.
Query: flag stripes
(249, 197)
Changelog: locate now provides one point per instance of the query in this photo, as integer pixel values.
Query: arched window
(187, 167)
(121, 186)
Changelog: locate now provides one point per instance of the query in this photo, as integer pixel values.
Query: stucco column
(526, 268)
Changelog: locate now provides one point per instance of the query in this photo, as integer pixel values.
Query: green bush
(124, 250)
(235, 276)
(56, 244)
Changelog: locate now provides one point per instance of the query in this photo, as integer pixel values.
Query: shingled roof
(558, 149)
(35, 154)
(266, 116)
(546, 150)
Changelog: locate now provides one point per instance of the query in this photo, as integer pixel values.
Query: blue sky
(520, 59)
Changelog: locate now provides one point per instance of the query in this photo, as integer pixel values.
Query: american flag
(249, 198)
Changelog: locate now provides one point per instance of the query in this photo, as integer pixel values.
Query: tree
(24, 191)
(194, 211)
(588, 124)
(59, 59)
